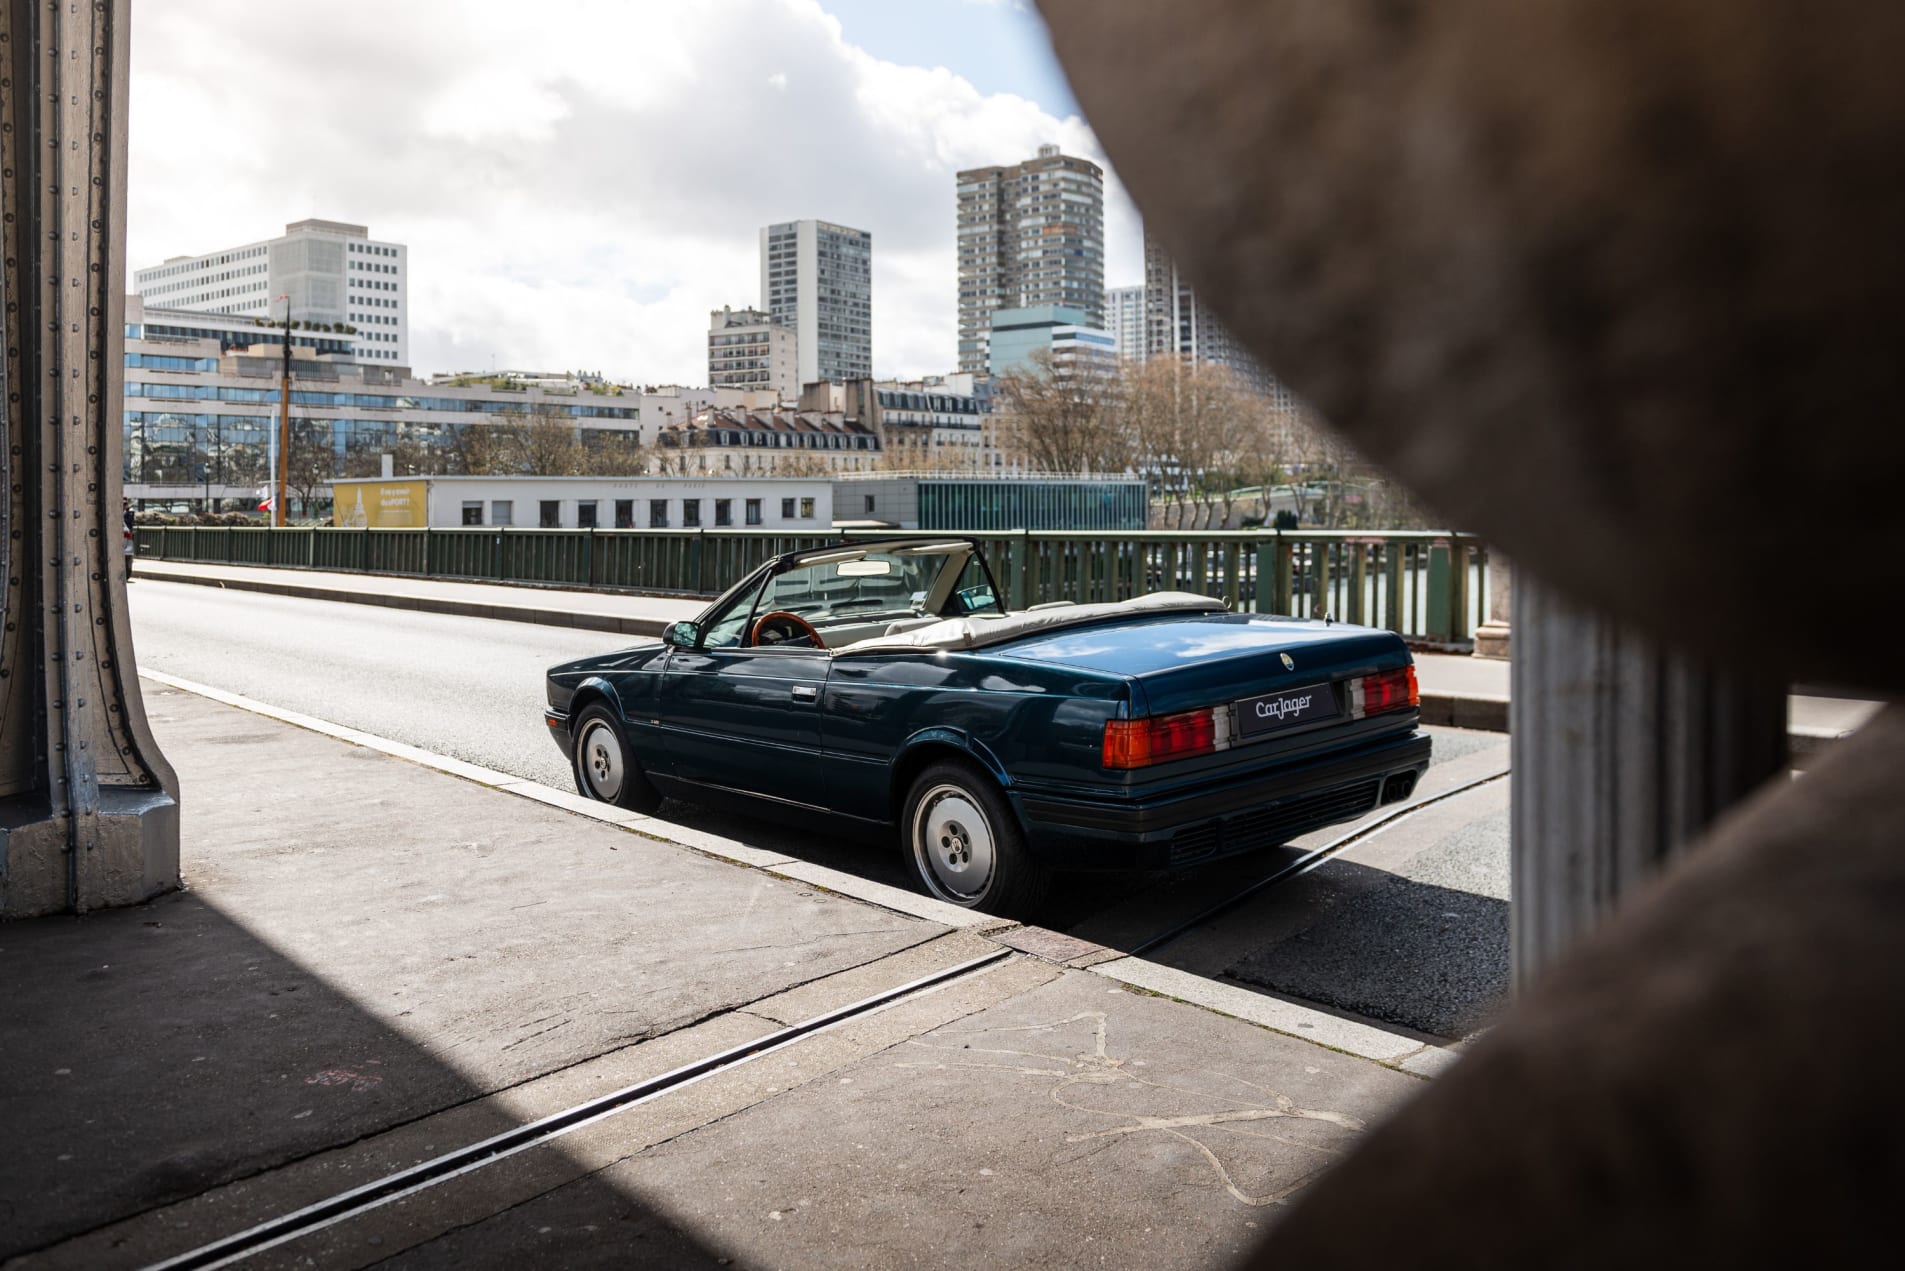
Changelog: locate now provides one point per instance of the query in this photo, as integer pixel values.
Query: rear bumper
(1264, 809)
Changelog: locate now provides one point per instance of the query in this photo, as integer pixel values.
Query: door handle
(806, 693)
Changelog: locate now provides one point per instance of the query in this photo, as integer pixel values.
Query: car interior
(890, 597)
(850, 595)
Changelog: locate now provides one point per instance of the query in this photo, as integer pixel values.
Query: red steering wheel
(781, 628)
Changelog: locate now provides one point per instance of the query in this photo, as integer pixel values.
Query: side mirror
(681, 635)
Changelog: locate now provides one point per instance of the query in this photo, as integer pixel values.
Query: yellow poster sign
(381, 504)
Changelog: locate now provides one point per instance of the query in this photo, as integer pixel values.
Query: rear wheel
(604, 766)
(964, 844)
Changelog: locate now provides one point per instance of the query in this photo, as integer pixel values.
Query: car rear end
(1239, 732)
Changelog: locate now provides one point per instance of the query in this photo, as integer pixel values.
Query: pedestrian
(125, 510)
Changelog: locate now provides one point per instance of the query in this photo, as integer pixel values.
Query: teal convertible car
(883, 684)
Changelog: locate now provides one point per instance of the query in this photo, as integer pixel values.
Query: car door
(747, 719)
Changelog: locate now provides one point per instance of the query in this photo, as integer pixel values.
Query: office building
(1124, 319)
(334, 274)
(817, 281)
(1077, 350)
(748, 349)
(201, 409)
(1030, 235)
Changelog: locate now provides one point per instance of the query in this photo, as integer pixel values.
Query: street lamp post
(279, 468)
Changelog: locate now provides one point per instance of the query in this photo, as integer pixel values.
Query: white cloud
(579, 183)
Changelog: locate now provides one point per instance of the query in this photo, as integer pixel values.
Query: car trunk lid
(1186, 661)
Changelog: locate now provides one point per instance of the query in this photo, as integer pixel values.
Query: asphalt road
(1408, 928)
(470, 688)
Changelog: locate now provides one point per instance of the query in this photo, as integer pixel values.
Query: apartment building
(771, 441)
(1178, 324)
(817, 281)
(748, 349)
(1031, 234)
(1124, 320)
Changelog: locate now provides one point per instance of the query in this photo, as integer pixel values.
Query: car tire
(605, 767)
(964, 845)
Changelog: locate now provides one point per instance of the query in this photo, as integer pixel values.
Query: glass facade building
(201, 409)
(1077, 350)
(991, 505)
(987, 506)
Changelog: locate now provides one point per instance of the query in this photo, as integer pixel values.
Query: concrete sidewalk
(377, 961)
(1477, 689)
(1457, 691)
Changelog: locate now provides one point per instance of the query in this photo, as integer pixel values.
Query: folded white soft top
(979, 631)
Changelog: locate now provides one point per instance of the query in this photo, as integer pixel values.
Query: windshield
(876, 583)
(849, 593)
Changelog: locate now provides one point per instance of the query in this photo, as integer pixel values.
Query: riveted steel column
(88, 807)
(1622, 755)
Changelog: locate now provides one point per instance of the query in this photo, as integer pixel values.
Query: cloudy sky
(580, 181)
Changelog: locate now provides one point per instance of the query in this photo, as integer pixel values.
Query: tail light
(1139, 743)
(1384, 691)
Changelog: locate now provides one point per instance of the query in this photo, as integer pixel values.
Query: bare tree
(802, 463)
(548, 445)
(480, 450)
(543, 444)
(613, 453)
(909, 448)
(310, 461)
(412, 457)
(1265, 452)
(1056, 421)
(1188, 422)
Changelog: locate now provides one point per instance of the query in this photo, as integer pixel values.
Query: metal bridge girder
(88, 805)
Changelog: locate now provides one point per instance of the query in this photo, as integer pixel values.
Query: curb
(423, 604)
(1398, 1052)
(1478, 711)
(1804, 744)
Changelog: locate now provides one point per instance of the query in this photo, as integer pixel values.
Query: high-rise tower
(1030, 235)
(1124, 318)
(817, 281)
(1178, 324)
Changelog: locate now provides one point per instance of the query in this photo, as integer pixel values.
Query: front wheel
(965, 846)
(604, 766)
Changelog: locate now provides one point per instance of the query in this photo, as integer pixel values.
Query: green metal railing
(1427, 585)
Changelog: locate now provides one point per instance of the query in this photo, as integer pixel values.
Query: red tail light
(1384, 691)
(1139, 743)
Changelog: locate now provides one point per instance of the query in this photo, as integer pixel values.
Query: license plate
(1275, 711)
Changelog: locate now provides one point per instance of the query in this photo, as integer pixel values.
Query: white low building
(328, 272)
(792, 504)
